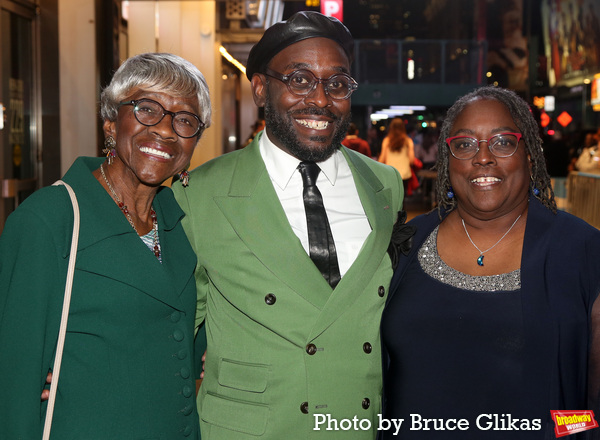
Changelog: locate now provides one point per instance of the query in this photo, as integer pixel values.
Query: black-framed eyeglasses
(302, 82)
(500, 145)
(149, 112)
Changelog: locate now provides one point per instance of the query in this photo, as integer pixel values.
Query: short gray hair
(157, 71)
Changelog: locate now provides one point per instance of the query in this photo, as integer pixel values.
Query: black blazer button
(367, 348)
(270, 299)
(311, 349)
(381, 291)
(366, 403)
(304, 407)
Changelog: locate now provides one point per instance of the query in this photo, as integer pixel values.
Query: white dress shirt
(347, 219)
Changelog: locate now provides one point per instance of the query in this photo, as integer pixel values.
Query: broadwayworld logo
(571, 422)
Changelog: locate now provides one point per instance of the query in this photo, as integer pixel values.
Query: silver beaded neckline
(434, 266)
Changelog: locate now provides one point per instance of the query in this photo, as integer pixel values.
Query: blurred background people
(589, 159)
(398, 151)
(585, 140)
(354, 142)
(426, 151)
(374, 139)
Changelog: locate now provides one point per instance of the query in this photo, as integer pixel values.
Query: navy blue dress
(450, 352)
(445, 342)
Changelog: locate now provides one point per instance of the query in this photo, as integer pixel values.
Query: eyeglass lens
(501, 145)
(303, 82)
(150, 113)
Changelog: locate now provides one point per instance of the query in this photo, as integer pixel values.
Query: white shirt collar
(281, 166)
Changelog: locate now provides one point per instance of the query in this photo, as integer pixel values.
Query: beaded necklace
(123, 207)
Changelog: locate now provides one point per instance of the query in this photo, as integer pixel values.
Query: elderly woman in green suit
(127, 369)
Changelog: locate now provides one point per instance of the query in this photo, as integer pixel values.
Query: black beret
(300, 26)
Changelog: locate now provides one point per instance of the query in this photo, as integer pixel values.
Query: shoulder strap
(65, 311)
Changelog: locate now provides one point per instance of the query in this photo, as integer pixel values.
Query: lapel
(535, 302)
(377, 203)
(255, 213)
(124, 257)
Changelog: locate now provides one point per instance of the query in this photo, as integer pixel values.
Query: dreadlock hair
(521, 114)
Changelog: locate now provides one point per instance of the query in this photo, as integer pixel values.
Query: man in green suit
(292, 353)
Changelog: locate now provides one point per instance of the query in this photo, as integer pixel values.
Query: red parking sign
(333, 8)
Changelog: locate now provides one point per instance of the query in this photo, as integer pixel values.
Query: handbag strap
(65, 311)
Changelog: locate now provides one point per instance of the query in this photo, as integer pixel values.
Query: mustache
(313, 111)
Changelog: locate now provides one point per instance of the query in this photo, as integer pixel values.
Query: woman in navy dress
(492, 314)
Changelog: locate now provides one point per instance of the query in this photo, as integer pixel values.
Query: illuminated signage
(333, 8)
(595, 94)
(564, 119)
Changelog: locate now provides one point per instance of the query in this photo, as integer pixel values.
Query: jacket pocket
(244, 417)
(243, 376)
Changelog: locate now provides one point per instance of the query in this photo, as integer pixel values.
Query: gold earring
(109, 149)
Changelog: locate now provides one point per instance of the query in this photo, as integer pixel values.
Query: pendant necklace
(123, 208)
(480, 258)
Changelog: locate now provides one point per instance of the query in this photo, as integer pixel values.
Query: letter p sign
(333, 8)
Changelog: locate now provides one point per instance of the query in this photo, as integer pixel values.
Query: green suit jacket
(283, 347)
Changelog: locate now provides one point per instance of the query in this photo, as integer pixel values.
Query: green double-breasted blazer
(282, 346)
(127, 369)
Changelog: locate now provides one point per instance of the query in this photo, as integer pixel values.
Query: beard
(282, 128)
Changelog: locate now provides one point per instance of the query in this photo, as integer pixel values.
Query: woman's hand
(46, 393)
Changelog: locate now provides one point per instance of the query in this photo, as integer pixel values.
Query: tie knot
(309, 172)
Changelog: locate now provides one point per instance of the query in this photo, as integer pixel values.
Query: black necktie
(320, 240)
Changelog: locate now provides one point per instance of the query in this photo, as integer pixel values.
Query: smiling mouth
(313, 124)
(486, 180)
(155, 152)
